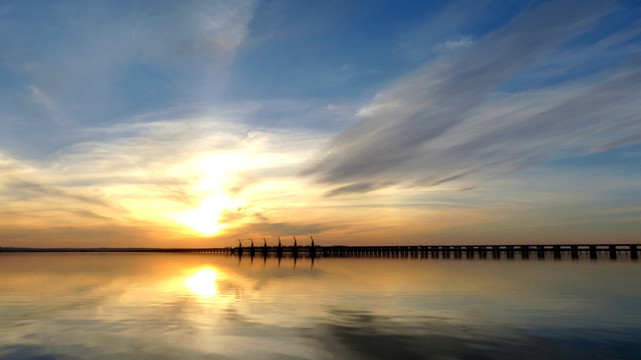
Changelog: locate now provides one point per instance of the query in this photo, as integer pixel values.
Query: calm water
(169, 306)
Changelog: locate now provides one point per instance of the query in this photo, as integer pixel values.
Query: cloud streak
(450, 121)
(109, 62)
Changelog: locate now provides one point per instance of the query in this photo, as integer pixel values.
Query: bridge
(435, 251)
(538, 251)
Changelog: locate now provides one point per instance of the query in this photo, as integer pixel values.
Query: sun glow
(206, 218)
(203, 282)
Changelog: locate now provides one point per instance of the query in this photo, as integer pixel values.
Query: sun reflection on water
(203, 282)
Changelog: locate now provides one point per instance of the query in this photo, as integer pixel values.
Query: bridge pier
(575, 251)
(496, 252)
(446, 252)
(483, 252)
(457, 252)
(469, 252)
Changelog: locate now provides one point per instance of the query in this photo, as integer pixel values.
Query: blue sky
(198, 122)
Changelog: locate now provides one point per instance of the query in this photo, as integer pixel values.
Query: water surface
(200, 306)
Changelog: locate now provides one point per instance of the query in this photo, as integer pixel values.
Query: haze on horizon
(194, 123)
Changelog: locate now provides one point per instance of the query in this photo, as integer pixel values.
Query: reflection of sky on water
(203, 282)
(105, 306)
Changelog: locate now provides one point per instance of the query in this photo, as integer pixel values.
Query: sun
(205, 219)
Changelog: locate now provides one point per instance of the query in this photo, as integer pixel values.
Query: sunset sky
(194, 123)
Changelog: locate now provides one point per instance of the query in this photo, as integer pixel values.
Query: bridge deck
(540, 250)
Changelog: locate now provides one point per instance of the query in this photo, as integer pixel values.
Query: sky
(196, 123)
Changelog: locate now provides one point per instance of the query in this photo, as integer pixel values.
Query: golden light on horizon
(203, 282)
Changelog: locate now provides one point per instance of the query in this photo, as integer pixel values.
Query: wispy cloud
(447, 122)
(25, 189)
(53, 110)
(459, 43)
(110, 62)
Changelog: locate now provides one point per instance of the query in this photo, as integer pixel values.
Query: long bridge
(435, 251)
(413, 251)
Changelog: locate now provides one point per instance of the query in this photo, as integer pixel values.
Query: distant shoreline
(67, 249)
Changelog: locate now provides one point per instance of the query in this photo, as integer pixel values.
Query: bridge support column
(575, 251)
(496, 252)
(469, 252)
(446, 252)
(457, 252)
